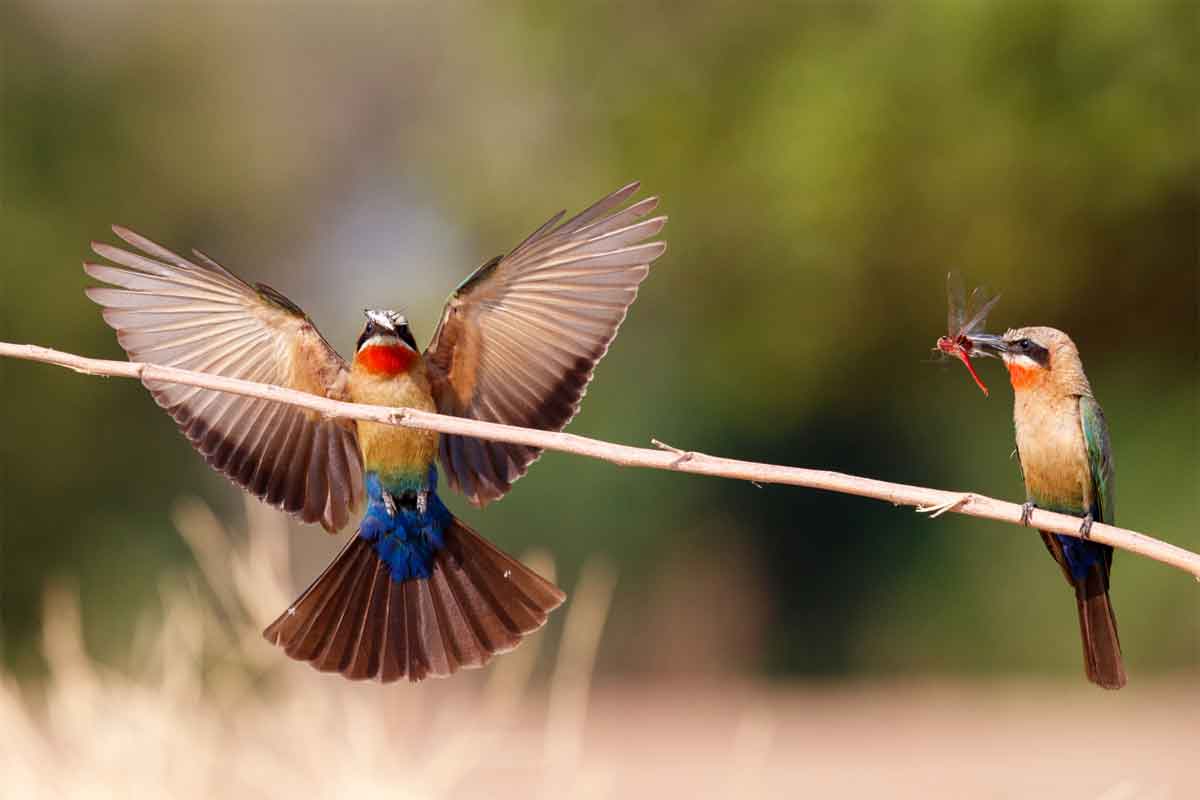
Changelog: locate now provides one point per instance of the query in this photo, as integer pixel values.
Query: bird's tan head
(1040, 358)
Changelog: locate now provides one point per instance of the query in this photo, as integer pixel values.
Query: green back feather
(1095, 433)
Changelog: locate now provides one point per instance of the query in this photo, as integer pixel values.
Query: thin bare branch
(936, 501)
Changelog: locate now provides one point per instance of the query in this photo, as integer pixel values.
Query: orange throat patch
(381, 359)
(1024, 377)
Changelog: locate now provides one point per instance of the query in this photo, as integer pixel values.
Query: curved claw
(1027, 512)
(1085, 529)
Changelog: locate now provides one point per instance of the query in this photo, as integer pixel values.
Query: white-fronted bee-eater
(1066, 460)
(415, 592)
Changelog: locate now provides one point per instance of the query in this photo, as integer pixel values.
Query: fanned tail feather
(356, 620)
(1098, 629)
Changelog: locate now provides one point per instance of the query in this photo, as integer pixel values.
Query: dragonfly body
(964, 320)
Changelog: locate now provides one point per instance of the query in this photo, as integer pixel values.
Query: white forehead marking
(386, 318)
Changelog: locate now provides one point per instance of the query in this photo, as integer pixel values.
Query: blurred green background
(823, 165)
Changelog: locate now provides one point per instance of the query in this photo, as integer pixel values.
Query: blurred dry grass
(206, 708)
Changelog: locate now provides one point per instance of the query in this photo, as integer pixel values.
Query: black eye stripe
(1030, 349)
(367, 333)
(406, 336)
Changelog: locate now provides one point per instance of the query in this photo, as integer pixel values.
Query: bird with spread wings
(416, 592)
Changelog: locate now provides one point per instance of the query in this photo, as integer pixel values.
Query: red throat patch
(1024, 377)
(381, 359)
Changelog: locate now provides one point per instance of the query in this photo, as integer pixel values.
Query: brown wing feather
(519, 340)
(171, 311)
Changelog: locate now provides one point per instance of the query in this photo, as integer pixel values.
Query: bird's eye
(1025, 344)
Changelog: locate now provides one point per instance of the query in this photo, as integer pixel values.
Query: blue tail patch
(405, 524)
(1080, 555)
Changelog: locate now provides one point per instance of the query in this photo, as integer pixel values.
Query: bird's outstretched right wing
(170, 311)
(520, 337)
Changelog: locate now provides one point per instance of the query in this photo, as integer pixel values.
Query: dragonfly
(966, 316)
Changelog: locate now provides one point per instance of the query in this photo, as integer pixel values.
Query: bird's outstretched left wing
(174, 312)
(519, 338)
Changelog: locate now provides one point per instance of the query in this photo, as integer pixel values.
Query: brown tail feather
(354, 619)
(1098, 629)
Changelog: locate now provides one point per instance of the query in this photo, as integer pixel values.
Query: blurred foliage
(823, 164)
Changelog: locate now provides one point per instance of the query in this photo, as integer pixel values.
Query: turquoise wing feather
(1095, 433)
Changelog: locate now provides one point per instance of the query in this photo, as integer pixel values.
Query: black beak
(987, 344)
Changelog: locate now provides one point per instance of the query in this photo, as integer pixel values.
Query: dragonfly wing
(982, 310)
(956, 297)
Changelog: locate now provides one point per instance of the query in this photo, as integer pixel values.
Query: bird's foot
(1085, 530)
(408, 500)
(389, 503)
(1027, 512)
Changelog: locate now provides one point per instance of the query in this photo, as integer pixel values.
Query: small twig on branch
(684, 455)
(666, 457)
(936, 511)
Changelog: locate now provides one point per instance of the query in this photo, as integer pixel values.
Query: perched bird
(416, 592)
(1066, 460)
